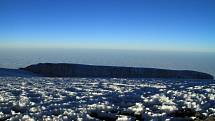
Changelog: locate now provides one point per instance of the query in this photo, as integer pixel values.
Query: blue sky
(172, 25)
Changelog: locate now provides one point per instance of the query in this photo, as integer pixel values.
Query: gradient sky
(180, 25)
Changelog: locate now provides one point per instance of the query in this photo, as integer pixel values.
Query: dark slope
(79, 70)
(16, 73)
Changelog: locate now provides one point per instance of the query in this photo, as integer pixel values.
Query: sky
(170, 25)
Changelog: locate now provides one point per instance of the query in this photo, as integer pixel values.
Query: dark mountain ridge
(80, 70)
(4, 72)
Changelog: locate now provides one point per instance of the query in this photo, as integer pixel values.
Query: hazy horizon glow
(177, 25)
(18, 58)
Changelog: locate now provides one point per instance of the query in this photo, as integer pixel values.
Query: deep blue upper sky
(181, 25)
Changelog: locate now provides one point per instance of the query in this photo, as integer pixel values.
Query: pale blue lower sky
(203, 62)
